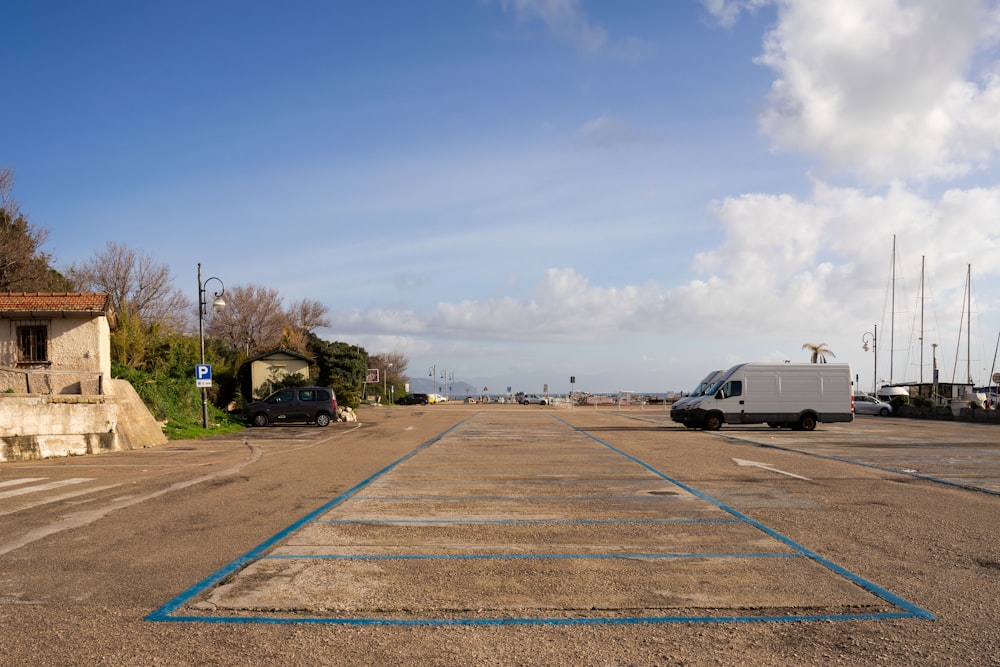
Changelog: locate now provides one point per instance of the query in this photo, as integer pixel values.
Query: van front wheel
(713, 422)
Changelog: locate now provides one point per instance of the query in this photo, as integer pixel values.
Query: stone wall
(37, 426)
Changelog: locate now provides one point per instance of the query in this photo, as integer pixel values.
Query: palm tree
(819, 352)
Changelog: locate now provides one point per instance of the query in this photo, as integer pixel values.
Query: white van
(794, 395)
(677, 410)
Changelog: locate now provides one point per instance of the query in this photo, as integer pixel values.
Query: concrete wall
(37, 426)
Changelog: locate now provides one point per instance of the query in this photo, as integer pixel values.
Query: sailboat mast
(968, 324)
(892, 310)
(923, 259)
(966, 317)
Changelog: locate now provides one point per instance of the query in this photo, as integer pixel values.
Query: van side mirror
(720, 394)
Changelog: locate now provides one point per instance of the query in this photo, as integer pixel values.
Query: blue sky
(631, 192)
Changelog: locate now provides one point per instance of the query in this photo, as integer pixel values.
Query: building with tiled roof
(55, 342)
(50, 303)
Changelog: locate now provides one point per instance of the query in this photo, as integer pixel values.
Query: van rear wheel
(807, 422)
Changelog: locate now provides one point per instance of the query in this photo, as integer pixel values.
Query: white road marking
(44, 487)
(84, 517)
(55, 499)
(22, 480)
(755, 464)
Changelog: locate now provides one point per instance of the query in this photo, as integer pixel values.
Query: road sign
(372, 375)
(203, 375)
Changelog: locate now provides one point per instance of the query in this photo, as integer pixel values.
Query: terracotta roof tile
(54, 302)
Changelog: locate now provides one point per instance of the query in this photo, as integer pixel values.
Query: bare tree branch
(253, 320)
(136, 283)
(308, 314)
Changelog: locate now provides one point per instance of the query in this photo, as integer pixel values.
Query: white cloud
(727, 12)
(886, 89)
(605, 132)
(563, 19)
(783, 264)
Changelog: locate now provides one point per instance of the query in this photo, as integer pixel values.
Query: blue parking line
(493, 499)
(595, 556)
(525, 522)
(166, 613)
(911, 609)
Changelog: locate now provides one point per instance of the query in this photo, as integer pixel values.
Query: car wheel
(807, 422)
(884, 412)
(322, 419)
(713, 422)
(259, 419)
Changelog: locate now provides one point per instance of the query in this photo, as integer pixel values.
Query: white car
(533, 399)
(869, 405)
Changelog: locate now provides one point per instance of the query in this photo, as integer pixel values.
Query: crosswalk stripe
(44, 487)
(59, 498)
(22, 480)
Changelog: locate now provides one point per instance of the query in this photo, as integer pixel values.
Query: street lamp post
(218, 305)
(874, 347)
(385, 382)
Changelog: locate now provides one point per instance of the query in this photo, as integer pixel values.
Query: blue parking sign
(203, 375)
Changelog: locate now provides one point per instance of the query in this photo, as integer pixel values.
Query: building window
(32, 343)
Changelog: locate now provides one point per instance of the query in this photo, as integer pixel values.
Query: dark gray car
(316, 405)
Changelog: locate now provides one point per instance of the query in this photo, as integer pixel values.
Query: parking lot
(486, 534)
(541, 518)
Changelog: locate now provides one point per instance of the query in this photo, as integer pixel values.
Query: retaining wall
(38, 426)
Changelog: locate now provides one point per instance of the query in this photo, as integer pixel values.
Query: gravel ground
(80, 597)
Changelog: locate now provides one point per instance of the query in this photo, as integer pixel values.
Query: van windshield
(717, 385)
(705, 384)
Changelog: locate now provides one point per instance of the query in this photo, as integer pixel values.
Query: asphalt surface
(453, 534)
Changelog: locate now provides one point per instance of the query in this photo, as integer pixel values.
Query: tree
(308, 314)
(342, 367)
(136, 284)
(252, 321)
(23, 265)
(300, 319)
(819, 352)
(392, 367)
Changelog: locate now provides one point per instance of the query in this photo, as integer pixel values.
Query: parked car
(533, 399)
(316, 405)
(869, 405)
(414, 399)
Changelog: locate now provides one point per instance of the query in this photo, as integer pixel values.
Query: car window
(732, 388)
(306, 395)
(283, 396)
(322, 395)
